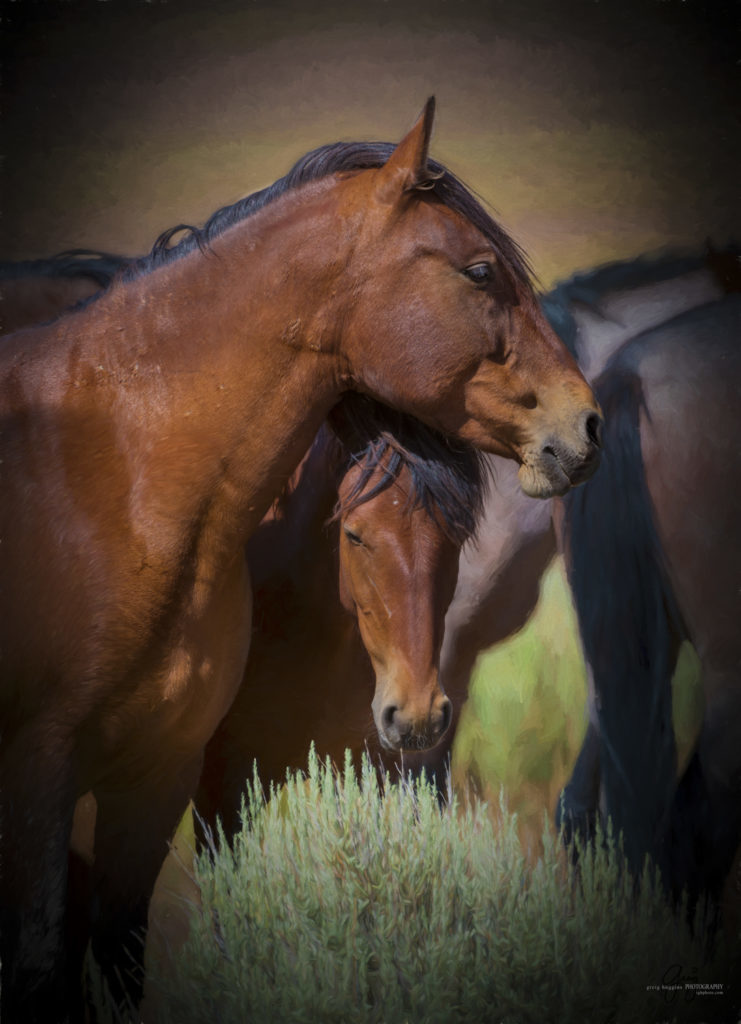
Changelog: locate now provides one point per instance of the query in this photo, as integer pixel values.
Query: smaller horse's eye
(480, 273)
(352, 537)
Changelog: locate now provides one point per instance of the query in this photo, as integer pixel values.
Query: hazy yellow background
(597, 129)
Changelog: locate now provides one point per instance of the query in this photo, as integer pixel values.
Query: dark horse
(654, 557)
(143, 439)
(653, 546)
(34, 291)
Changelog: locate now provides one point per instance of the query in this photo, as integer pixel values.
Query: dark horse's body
(654, 555)
(143, 439)
(653, 546)
(39, 290)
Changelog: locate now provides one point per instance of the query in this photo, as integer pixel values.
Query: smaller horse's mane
(588, 287)
(336, 158)
(100, 267)
(449, 479)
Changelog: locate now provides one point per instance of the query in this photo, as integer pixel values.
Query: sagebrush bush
(346, 899)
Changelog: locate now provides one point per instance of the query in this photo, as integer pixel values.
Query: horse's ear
(406, 168)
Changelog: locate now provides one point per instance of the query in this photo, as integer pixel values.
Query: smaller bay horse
(348, 601)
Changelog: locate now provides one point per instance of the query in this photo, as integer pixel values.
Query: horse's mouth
(552, 473)
(410, 744)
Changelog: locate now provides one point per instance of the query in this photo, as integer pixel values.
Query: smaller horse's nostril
(594, 429)
(387, 716)
(447, 713)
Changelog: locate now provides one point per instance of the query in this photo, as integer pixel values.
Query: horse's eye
(480, 273)
(352, 537)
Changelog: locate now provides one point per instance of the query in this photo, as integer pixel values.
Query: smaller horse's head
(404, 512)
(398, 571)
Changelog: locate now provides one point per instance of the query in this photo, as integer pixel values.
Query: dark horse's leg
(705, 827)
(36, 806)
(578, 806)
(134, 825)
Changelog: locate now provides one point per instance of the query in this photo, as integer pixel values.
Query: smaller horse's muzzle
(401, 726)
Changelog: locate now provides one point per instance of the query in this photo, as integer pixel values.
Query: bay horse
(144, 437)
(368, 530)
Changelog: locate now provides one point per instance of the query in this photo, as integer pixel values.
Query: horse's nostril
(446, 709)
(387, 716)
(594, 429)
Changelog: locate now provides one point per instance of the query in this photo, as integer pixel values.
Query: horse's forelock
(448, 479)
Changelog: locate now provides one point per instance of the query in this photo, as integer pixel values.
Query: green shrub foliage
(350, 899)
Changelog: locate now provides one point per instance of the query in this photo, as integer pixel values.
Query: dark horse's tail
(629, 623)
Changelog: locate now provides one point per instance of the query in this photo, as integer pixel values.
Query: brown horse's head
(443, 322)
(405, 508)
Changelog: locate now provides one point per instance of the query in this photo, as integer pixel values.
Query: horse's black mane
(335, 158)
(100, 267)
(449, 479)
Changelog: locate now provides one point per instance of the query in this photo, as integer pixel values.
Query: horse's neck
(246, 376)
(623, 314)
(201, 384)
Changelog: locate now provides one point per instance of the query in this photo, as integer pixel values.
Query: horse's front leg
(36, 806)
(134, 825)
